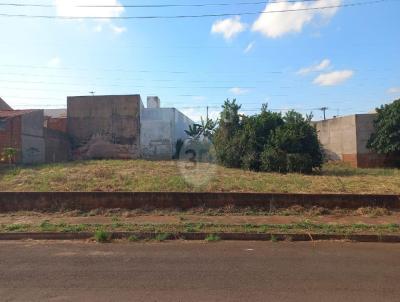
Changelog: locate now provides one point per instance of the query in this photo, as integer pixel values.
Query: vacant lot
(139, 175)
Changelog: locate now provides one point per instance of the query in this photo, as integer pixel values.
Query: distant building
(93, 127)
(345, 139)
(4, 105)
(120, 127)
(23, 130)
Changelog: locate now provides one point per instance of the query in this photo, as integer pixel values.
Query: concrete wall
(58, 148)
(32, 137)
(338, 137)
(346, 139)
(160, 129)
(105, 126)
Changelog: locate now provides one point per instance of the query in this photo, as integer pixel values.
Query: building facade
(23, 130)
(345, 139)
(160, 129)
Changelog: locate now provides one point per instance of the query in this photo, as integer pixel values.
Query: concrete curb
(86, 201)
(202, 236)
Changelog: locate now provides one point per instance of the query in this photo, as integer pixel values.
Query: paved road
(194, 271)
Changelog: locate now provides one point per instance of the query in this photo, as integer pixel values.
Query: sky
(291, 55)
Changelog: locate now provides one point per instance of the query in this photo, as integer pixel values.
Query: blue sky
(347, 59)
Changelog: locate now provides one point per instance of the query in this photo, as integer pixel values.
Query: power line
(155, 5)
(194, 16)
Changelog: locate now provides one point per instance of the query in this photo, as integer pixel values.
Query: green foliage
(267, 141)
(203, 130)
(386, 139)
(274, 160)
(101, 236)
(162, 237)
(133, 238)
(178, 148)
(212, 238)
(298, 162)
(9, 154)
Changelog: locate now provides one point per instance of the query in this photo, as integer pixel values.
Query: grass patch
(165, 176)
(162, 237)
(274, 238)
(102, 236)
(212, 238)
(133, 238)
(17, 228)
(165, 231)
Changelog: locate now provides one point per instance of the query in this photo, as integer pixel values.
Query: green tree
(227, 138)
(386, 138)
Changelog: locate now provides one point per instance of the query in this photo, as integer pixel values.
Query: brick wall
(59, 124)
(10, 135)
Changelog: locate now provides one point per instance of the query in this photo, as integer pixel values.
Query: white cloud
(323, 65)
(333, 78)
(74, 8)
(54, 62)
(238, 91)
(249, 47)
(118, 29)
(394, 90)
(105, 9)
(229, 27)
(274, 25)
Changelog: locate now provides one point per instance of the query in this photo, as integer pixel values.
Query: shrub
(212, 238)
(274, 160)
(101, 236)
(386, 139)
(301, 163)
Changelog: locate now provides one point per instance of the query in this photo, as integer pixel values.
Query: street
(198, 271)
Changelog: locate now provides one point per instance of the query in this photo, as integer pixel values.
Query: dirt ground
(70, 218)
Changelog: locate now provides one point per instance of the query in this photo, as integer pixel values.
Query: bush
(386, 139)
(274, 160)
(101, 236)
(267, 141)
(300, 163)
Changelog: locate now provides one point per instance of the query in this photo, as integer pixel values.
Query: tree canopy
(386, 138)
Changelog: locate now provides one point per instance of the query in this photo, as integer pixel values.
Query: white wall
(160, 130)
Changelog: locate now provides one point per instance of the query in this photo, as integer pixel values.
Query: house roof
(14, 113)
(55, 113)
(4, 105)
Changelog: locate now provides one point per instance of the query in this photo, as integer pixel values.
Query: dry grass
(141, 176)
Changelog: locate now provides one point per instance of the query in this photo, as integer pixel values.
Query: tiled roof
(14, 113)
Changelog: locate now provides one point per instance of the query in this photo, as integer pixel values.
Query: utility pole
(323, 109)
(207, 114)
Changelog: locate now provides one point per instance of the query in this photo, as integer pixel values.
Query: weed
(46, 226)
(101, 236)
(212, 238)
(16, 227)
(133, 238)
(162, 237)
(274, 238)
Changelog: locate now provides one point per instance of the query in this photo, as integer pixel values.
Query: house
(120, 127)
(345, 139)
(4, 105)
(23, 130)
(26, 131)
(94, 127)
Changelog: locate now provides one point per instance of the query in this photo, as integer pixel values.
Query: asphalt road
(194, 271)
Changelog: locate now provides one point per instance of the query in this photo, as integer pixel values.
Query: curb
(202, 236)
(86, 201)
